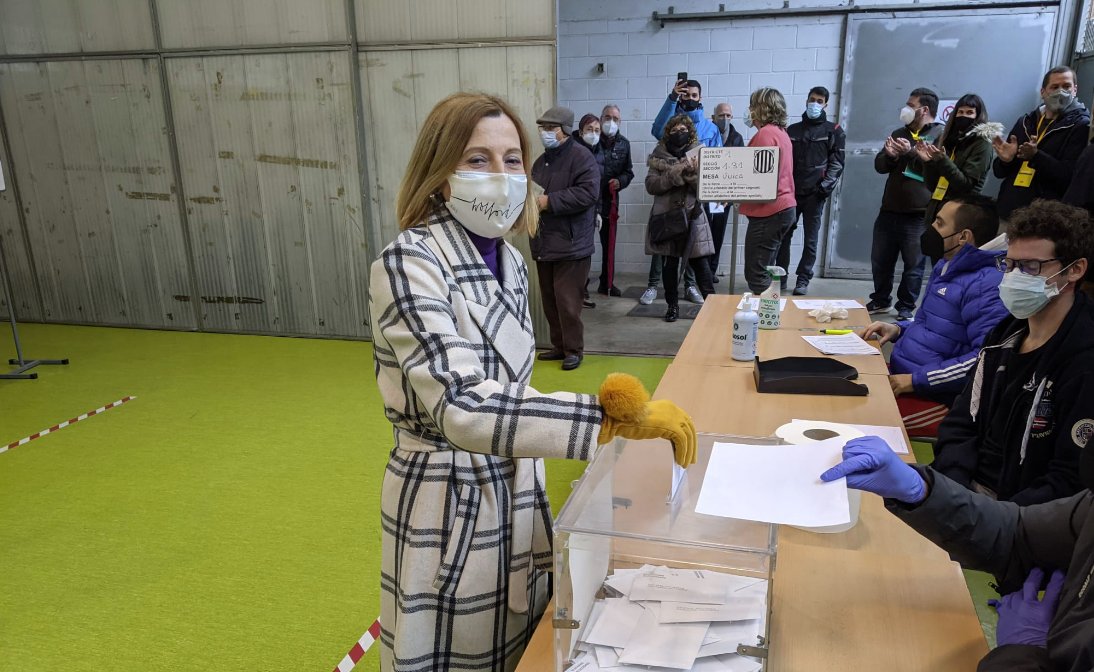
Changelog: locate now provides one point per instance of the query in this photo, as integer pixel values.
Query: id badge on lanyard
(943, 184)
(1024, 178)
(908, 172)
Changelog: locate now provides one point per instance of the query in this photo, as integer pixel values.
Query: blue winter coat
(708, 133)
(959, 308)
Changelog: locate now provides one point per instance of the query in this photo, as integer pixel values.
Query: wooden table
(877, 597)
(710, 343)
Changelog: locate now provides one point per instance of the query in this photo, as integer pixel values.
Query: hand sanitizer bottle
(746, 331)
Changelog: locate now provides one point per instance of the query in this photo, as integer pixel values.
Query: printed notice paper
(775, 484)
(844, 344)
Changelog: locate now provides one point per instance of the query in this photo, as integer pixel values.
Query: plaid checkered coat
(466, 525)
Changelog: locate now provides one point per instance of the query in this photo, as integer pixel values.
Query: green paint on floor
(226, 519)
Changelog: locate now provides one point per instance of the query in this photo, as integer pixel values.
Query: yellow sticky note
(1024, 178)
(940, 190)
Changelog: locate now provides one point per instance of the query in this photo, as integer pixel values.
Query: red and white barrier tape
(54, 428)
(358, 651)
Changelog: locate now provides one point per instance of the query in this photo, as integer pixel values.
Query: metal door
(999, 54)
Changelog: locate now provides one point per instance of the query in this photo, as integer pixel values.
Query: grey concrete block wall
(729, 57)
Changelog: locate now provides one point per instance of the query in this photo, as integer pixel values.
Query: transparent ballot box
(643, 580)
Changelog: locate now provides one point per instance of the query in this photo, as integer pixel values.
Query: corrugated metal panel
(424, 20)
(269, 161)
(16, 255)
(65, 26)
(89, 148)
(217, 23)
(403, 86)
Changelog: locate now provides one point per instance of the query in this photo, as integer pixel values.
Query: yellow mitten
(628, 412)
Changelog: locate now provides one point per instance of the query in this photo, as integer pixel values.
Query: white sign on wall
(945, 109)
(739, 174)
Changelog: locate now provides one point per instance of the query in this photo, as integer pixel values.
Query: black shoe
(801, 289)
(875, 308)
(673, 313)
(602, 290)
(615, 291)
(588, 304)
(715, 279)
(551, 356)
(904, 315)
(572, 362)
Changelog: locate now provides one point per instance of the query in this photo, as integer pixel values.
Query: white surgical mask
(610, 127)
(907, 115)
(486, 204)
(1025, 295)
(591, 139)
(748, 119)
(1058, 100)
(550, 140)
(813, 110)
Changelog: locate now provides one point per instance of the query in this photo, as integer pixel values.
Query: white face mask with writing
(486, 204)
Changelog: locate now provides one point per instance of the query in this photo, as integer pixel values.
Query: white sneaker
(648, 296)
(693, 295)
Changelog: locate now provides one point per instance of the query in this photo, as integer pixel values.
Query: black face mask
(688, 105)
(933, 244)
(678, 138)
(962, 125)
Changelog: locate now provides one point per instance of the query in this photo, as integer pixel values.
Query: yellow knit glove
(629, 413)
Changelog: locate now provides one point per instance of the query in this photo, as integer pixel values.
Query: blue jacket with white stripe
(961, 305)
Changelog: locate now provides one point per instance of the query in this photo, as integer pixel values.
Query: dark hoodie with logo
(1019, 427)
(1054, 162)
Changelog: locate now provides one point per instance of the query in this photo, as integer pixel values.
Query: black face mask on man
(688, 105)
(933, 243)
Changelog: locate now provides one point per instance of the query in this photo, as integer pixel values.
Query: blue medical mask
(748, 119)
(1025, 295)
(550, 140)
(813, 110)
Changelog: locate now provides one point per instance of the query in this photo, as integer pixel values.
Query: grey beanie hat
(559, 116)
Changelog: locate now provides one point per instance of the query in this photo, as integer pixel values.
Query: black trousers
(718, 223)
(703, 277)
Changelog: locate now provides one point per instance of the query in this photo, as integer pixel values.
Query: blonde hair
(767, 106)
(438, 151)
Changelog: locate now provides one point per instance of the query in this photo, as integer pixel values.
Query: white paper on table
(844, 344)
(606, 656)
(731, 634)
(893, 436)
(663, 584)
(775, 484)
(616, 623)
(814, 304)
(672, 646)
(754, 302)
(735, 609)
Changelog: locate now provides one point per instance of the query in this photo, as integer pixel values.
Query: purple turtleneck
(488, 249)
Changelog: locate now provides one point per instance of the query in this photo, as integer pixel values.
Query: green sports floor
(226, 518)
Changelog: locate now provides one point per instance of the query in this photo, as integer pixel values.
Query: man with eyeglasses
(1018, 429)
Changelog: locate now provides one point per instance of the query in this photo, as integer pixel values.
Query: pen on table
(834, 332)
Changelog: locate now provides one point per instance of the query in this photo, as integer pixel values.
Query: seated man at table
(1017, 430)
(1019, 545)
(932, 355)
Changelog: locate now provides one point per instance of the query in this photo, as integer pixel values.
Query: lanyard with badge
(1024, 178)
(943, 183)
(908, 172)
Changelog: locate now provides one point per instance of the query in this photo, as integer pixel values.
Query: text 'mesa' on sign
(738, 174)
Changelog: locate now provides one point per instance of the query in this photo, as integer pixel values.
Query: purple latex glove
(1023, 619)
(871, 465)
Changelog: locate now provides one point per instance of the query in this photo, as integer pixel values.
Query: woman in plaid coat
(466, 524)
